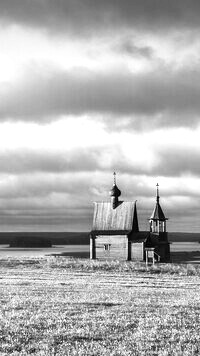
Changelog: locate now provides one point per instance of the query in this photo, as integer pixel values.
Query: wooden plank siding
(137, 251)
(118, 247)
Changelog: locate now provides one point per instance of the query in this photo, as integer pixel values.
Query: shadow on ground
(176, 257)
(77, 254)
(185, 257)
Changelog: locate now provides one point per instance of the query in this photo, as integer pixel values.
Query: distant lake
(70, 250)
(184, 246)
(79, 250)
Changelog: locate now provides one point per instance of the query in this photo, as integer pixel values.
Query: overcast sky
(89, 87)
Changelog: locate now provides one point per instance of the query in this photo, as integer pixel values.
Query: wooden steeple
(157, 220)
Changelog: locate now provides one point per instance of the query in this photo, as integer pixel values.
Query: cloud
(20, 161)
(175, 161)
(161, 152)
(37, 194)
(151, 99)
(39, 190)
(26, 161)
(128, 47)
(57, 199)
(79, 188)
(90, 17)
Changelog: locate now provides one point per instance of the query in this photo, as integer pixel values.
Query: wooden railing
(157, 257)
(151, 256)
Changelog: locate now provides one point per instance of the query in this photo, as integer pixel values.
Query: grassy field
(64, 306)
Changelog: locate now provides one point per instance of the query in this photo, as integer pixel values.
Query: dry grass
(60, 306)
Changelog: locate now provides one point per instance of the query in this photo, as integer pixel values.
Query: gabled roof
(140, 236)
(158, 213)
(135, 219)
(119, 219)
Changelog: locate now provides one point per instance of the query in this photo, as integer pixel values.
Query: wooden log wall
(137, 251)
(112, 247)
(92, 248)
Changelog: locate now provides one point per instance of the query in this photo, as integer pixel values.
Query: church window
(107, 247)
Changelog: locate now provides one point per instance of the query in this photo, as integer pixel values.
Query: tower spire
(157, 193)
(135, 219)
(157, 219)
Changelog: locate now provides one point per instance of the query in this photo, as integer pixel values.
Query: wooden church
(115, 232)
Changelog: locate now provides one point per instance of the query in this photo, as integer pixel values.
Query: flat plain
(65, 306)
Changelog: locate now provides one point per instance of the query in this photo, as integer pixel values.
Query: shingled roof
(157, 212)
(122, 218)
(140, 236)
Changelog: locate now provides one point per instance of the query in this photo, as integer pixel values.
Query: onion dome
(114, 193)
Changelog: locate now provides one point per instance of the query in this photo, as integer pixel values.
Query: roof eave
(110, 232)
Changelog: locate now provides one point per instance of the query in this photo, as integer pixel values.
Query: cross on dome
(114, 178)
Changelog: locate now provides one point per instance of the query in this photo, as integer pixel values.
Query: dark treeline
(56, 238)
(184, 237)
(82, 238)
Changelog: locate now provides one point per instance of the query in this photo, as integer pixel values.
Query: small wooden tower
(158, 231)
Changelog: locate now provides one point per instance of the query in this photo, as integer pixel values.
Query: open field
(64, 306)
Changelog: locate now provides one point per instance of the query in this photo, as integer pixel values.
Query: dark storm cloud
(54, 197)
(170, 162)
(76, 160)
(175, 161)
(166, 98)
(58, 198)
(128, 47)
(162, 97)
(40, 189)
(90, 16)
(24, 161)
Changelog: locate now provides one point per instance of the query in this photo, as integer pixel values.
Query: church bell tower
(158, 220)
(158, 231)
